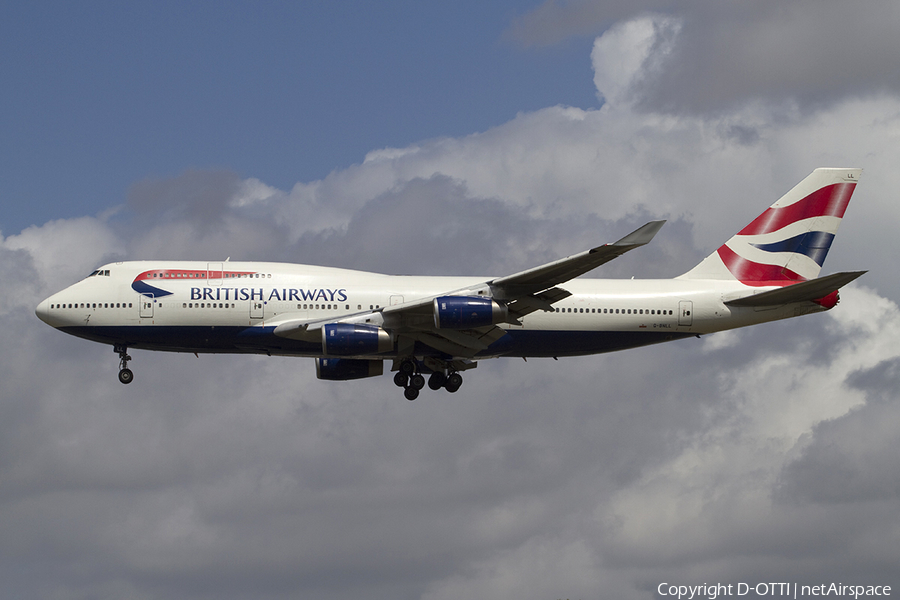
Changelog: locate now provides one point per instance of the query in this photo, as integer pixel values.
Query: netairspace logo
(779, 589)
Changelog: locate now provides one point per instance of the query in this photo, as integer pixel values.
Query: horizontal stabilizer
(814, 289)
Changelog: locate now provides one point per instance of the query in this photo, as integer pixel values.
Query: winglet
(641, 235)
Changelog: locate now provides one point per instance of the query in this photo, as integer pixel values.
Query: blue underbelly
(262, 340)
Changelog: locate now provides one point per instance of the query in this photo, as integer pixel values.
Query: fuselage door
(685, 308)
(214, 273)
(395, 300)
(147, 301)
(257, 309)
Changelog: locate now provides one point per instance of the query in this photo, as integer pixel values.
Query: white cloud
(629, 52)
(811, 52)
(720, 492)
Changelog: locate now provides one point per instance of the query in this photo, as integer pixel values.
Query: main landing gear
(125, 374)
(409, 378)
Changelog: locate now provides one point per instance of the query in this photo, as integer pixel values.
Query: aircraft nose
(43, 311)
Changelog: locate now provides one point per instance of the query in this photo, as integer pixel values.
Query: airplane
(351, 322)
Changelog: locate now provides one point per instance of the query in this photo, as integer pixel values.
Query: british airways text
(282, 295)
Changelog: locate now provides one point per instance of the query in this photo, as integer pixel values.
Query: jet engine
(344, 369)
(467, 312)
(347, 339)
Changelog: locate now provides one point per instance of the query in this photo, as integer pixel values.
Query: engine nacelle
(467, 312)
(347, 339)
(344, 369)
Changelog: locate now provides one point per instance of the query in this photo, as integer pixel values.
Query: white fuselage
(235, 306)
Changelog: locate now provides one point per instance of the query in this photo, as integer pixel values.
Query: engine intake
(467, 312)
(345, 369)
(347, 339)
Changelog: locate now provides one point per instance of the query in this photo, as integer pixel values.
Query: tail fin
(789, 241)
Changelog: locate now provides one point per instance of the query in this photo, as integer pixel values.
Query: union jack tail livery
(787, 243)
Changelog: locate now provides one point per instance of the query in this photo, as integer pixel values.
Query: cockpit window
(94, 273)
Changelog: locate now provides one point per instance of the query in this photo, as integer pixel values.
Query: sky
(461, 139)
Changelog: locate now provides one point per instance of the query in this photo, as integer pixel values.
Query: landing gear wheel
(411, 393)
(437, 380)
(417, 382)
(407, 367)
(454, 380)
(401, 380)
(126, 376)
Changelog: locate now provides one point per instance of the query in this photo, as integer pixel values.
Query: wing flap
(466, 343)
(542, 301)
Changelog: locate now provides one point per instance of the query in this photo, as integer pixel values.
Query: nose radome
(43, 311)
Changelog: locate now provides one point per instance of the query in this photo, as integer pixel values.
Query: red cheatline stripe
(157, 274)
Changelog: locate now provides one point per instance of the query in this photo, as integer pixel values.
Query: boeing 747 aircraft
(350, 322)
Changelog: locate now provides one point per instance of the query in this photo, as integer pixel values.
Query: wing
(546, 276)
(510, 297)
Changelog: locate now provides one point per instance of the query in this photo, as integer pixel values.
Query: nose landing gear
(125, 374)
